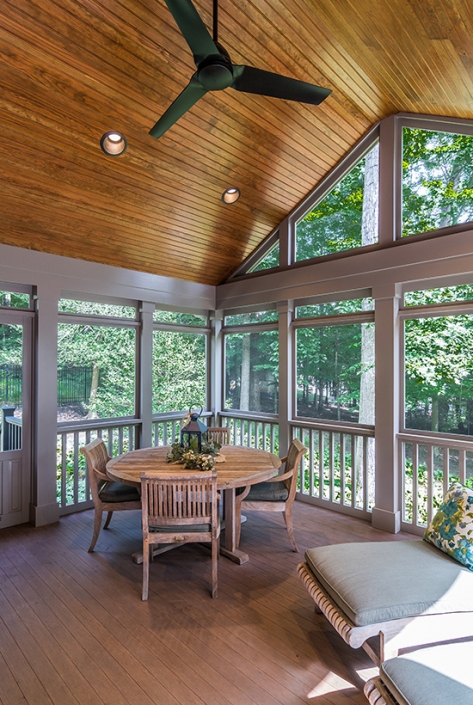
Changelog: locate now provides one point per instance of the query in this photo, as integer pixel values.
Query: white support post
(389, 180)
(285, 249)
(146, 374)
(285, 310)
(217, 378)
(44, 508)
(386, 513)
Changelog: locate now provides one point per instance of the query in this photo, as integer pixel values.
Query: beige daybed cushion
(439, 675)
(378, 582)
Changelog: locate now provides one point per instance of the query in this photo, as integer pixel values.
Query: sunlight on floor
(367, 673)
(333, 683)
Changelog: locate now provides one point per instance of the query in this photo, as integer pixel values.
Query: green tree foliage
(110, 353)
(329, 368)
(252, 371)
(437, 181)
(270, 260)
(11, 350)
(179, 371)
(439, 373)
(335, 223)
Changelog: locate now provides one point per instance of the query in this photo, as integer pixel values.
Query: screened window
(11, 350)
(442, 295)
(187, 319)
(251, 371)
(179, 371)
(270, 260)
(439, 374)
(13, 299)
(437, 180)
(347, 217)
(335, 307)
(335, 372)
(240, 319)
(96, 371)
(92, 308)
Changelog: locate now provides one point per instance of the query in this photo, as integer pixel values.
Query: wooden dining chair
(108, 496)
(179, 509)
(275, 495)
(219, 434)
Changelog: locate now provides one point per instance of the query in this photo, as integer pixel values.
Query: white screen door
(15, 417)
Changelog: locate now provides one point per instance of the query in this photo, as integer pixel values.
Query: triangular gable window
(347, 217)
(270, 260)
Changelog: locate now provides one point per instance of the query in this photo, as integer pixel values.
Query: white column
(285, 244)
(146, 373)
(285, 310)
(390, 170)
(386, 513)
(217, 373)
(44, 508)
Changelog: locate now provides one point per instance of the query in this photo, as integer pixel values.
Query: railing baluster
(365, 489)
(462, 466)
(64, 469)
(353, 471)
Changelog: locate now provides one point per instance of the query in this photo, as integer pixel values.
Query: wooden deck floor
(73, 628)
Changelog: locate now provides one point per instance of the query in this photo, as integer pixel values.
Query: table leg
(229, 548)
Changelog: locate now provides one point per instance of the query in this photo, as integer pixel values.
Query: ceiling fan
(215, 70)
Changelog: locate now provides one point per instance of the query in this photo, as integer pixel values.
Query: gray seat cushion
(267, 492)
(116, 492)
(377, 582)
(439, 675)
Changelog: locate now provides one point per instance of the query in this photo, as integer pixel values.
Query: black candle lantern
(191, 433)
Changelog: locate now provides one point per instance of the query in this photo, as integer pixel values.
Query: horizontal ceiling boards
(71, 70)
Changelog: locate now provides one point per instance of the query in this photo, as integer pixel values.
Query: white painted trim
(405, 261)
(71, 275)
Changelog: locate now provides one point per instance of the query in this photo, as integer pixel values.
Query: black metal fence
(10, 384)
(73, 386)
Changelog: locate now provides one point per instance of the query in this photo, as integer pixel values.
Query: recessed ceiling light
(231, 195)
(113, 144)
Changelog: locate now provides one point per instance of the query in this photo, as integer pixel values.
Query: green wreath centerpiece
(190, 456)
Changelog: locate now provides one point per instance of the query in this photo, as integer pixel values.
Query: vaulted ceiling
(71, 70)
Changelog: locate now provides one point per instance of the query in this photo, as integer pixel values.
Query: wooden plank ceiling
(71, 70)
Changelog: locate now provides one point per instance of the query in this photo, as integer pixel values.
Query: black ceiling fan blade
(193, 29)
(184, 101)
(250, 80)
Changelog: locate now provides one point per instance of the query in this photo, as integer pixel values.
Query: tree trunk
(434, 424)
(369, 235)
(93, 392)
(245, 374)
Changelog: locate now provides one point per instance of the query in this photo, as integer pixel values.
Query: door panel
(15, 417)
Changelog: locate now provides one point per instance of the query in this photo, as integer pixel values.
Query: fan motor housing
(215, 73)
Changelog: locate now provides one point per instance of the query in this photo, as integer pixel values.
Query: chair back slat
(179, 500)
(219, 434)
(179, 509)
(97, 457)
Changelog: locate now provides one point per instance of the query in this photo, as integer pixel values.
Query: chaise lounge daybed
(438, 675)
(407, 593)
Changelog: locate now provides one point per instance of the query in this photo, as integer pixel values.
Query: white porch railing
(73, 491)
(252, 431)
(337, 472)
(428, 466)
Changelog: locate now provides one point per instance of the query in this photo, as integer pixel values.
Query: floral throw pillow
(451, 529)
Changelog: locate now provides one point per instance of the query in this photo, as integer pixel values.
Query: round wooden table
(242, 467)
